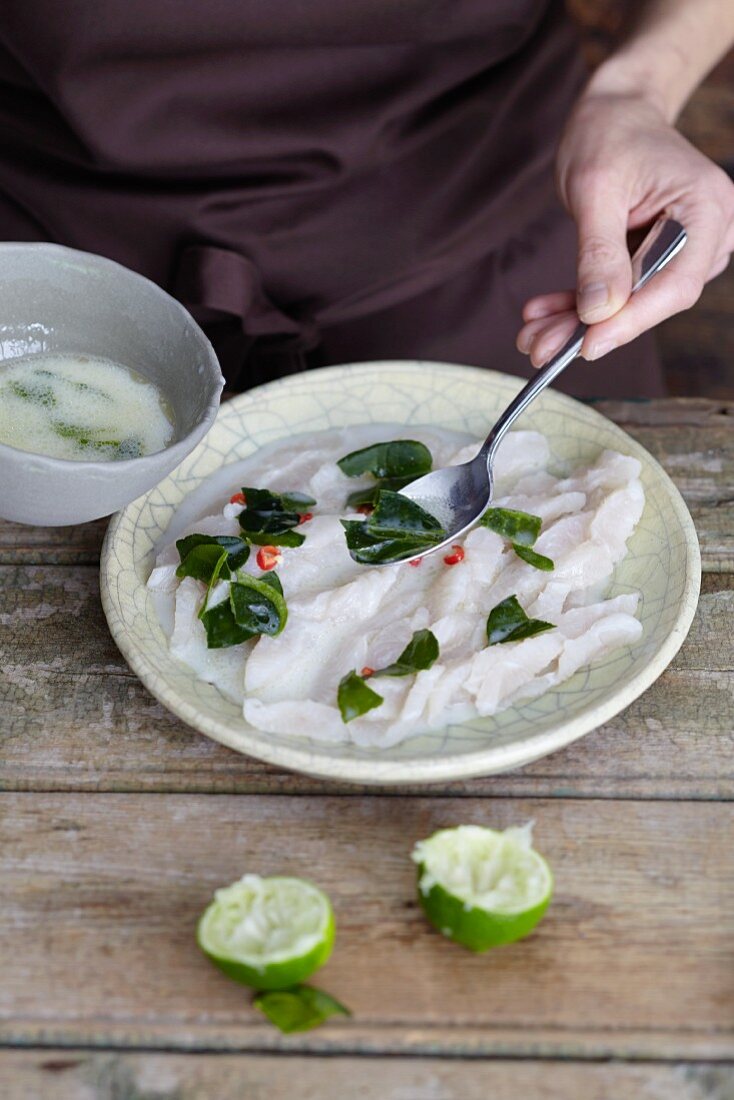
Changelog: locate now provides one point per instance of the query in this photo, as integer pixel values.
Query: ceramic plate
(663, 563)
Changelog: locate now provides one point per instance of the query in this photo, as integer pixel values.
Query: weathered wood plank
(702, 465)
(81, 1075)
(51, 545)
(101, 894)
(74, 716)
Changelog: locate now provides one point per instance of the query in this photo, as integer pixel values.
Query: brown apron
(318, 182)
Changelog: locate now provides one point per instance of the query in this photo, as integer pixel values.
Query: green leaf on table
(538, 561)
(257, 606)
(507, 622)
(299, 1008)
(519, 527)
(236, 549)
(420, 653)
(355, 698)
(403, 458)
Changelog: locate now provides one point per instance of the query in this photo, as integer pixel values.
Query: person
(328, 182)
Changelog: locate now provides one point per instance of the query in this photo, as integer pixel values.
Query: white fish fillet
(343, 616)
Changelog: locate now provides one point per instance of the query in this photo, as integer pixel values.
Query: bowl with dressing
(106, 385)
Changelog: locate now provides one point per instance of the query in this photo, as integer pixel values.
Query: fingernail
(602, 348)
(592, 296)
(523, 344)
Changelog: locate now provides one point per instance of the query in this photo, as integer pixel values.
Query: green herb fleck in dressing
(80, 408)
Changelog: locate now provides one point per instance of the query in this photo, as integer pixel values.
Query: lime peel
(268, 933)
(480, 887)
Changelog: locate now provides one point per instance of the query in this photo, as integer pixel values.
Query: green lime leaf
(404, 458)
(377, 549)
(273, 580)
(268, 518)
(397, 529)
(298, 1009)
(355, 698)
(369, 496)
(204, 562)
(257, 606)
(519, 527)
(538, 561)
(267, 523)
(508, 622)
(275, 538)
(420, 653)
(398, 514)
(296, 502)
(222, 629)
(237, 549)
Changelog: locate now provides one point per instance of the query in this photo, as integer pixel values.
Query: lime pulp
(268, 933)
(480, 887)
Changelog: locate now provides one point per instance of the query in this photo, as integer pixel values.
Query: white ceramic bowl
(55, 299)
(663, 563)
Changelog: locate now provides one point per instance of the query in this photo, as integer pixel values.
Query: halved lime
(269, 933)
(480, 887)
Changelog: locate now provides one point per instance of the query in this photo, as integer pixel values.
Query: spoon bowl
(458, 496)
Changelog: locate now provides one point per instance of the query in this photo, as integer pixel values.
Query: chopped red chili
(367, 671)
(366, 509)
(305, 517)
(268, 557)
(415, 562)
(238, 498)
(456, 557)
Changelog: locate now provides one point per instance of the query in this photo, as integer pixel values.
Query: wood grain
(101, 894)
(74, 716)
(83, 1075)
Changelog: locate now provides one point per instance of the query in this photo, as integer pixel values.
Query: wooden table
(117, 822)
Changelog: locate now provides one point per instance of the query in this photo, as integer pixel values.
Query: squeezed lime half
(481, 887)
(268, 933)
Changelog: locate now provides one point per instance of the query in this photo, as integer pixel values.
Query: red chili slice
(367, 671)
(366, 509)
(415, 562)
(238, 498)
(456, 557)
(268, 557)
(305, 517)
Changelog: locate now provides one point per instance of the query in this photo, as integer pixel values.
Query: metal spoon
(459, 495)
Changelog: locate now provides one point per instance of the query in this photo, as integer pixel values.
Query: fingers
(545, 305)
(541, 339)
(604, 276)
(675, 288)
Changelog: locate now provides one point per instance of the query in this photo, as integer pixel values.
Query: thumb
(604, 278)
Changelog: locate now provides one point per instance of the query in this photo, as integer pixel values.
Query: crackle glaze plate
(663, 563)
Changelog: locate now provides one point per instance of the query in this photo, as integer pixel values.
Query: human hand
(620, 164)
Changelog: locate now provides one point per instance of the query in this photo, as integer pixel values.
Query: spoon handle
(665, 240)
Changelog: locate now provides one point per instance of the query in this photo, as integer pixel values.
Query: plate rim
(488, 760)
